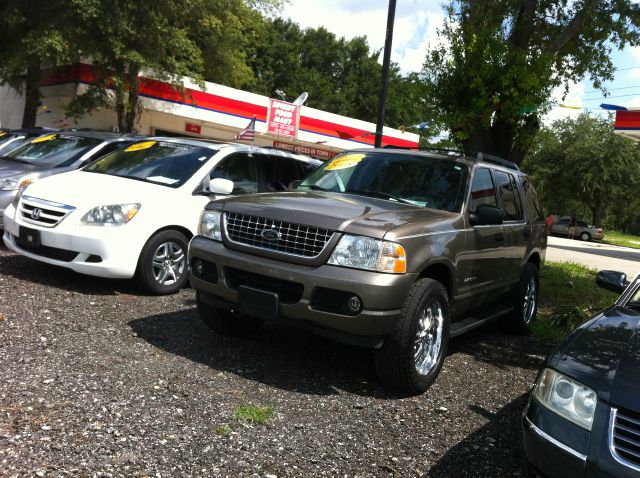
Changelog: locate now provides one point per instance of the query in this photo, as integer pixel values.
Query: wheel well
(535, 260)
(187, 233)
(442, 274)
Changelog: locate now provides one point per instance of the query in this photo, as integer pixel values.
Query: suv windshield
(169, 164)
(414, 179)
(53, 150)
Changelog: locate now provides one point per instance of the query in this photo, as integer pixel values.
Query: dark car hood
(12, 168)
(338, 212)
(604, 354)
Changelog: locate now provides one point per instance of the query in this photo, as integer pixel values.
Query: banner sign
(283, 119)
(308, 150)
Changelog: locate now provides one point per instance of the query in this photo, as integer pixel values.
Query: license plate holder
(28, 237)
(257, 303)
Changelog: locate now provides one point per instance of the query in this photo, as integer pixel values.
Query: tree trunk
(31, 96)
(597, 213)
(133, 99)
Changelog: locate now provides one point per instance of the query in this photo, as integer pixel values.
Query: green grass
(223, 430)
(620, 239)
(568, 297)
(253, 414)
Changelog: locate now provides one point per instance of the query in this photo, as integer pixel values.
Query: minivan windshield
(425, 181)
(53, 150)
(159, 162)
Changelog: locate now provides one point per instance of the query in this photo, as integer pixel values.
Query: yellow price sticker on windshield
(47, 137)
(2, 133)
(344, 162)
(139, 146)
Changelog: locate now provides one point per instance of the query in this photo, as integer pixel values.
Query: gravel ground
(99, 380)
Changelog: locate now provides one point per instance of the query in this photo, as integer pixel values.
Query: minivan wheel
(162, 267)
(526, 300)
(226, 322)
(412, 356)
(585, 236)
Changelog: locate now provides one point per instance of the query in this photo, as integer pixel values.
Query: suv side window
(509, 198)
(534, 210)
(483, 191)
(241, 169)
(279, 171)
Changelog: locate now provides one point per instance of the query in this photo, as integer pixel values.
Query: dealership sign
(308, 150)
(283, 119)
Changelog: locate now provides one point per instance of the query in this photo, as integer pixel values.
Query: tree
(583, 163)
(492, 76)
(33, 35)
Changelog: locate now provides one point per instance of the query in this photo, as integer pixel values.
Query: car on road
(133, 212)
(583, 417)
(391, 249)
(583, 231)
(52, 153)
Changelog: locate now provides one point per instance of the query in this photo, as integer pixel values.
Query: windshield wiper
(379, 194)
(9, 158)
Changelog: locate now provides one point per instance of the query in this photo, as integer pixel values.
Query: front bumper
(110, 252)
(5, 199)
(382, 295)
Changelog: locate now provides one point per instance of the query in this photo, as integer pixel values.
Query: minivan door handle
(499, 236)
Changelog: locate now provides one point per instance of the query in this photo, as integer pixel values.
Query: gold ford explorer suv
(391, 249)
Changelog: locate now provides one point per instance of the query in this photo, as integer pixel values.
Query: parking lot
(100, 380)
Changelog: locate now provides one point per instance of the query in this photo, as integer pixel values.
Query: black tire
(395, 363)
(227, 322)
(585, 236)
(149, 273)
(522, 318)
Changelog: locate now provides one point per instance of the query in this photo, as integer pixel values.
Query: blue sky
(415, 27)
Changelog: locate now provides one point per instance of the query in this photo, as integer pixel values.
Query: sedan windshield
(424, 181)
(53, 150)
(169, 164)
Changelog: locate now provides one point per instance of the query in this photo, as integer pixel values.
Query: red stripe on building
(627, 120)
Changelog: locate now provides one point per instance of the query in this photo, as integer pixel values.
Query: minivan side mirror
(612, 280)
(220, 186)
(487, 214)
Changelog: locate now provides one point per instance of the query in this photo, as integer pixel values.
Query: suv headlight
(14, 183)
(210, 225)
(361, 252)
(112, 215)
(566, 397)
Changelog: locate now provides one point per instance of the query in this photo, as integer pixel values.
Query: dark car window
(483, 190)
(563, 222)
(241, 169)
(509, 199)
(107, 149)
(279, 171)
(415, 179)
(531, 200)
(54, 150)
(159, 162)
(581, 224)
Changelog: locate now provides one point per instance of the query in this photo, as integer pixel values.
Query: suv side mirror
(220, 186)
(487, 214)
(612, 280)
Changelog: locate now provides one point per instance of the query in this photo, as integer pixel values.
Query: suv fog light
(354, 304)
(198, 267)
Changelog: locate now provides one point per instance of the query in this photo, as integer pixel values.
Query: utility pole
(384, 82)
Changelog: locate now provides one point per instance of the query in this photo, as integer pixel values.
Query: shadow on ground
(295, 360)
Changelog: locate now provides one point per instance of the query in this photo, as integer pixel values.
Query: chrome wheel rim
(428, 342)
(168, 263)
(530, 297)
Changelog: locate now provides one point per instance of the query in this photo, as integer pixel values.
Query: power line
(609, 97)
(613, 89)
(630, 68)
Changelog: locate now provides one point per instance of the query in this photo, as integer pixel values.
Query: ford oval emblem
(270, 234)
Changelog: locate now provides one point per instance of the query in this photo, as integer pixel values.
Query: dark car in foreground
(583, 418)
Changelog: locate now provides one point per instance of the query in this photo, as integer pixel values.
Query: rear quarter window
(531, 202)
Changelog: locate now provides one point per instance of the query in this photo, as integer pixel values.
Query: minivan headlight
(361, 252)
(14, 183)
(111, 215)
(210, 224)
(566, 397)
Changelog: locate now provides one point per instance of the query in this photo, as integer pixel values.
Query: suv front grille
(43, 213)
(625, 437)
(288, 238)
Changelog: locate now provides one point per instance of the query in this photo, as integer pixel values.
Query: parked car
(12, 139)
(52, 153)
(583, 417)
(133, 212)
(390, 249)
(583, 230)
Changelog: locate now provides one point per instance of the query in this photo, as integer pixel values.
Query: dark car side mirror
(612, 280)
(486, 215)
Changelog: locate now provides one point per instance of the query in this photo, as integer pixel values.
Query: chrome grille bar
(43, 213)
(624, 437)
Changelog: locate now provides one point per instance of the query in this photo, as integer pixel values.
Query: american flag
(249, 133)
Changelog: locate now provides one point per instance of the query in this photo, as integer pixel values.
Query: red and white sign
(193, 128)
(308, 150)
(283, 119)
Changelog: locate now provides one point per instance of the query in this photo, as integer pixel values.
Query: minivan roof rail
(489, 158)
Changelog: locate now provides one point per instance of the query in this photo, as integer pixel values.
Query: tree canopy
(492, 76)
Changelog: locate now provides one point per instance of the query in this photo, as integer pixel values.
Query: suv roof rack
(489, 158)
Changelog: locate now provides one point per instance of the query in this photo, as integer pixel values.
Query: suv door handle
(499, 236)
